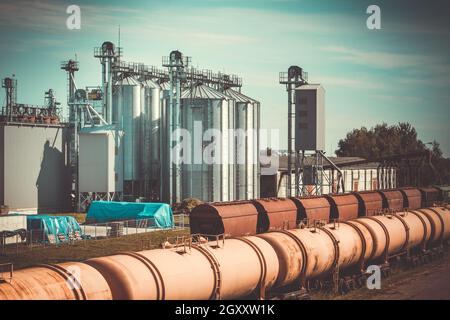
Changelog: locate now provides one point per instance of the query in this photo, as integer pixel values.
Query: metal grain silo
(246, 145)
(150, 137)
(202, 110)
(127, 114)
(165, 167)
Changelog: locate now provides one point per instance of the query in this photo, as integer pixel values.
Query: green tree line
(384, 140)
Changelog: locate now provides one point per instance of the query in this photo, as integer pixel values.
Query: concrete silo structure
(208, 176)
(246, 141)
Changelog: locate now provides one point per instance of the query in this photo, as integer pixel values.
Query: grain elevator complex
(126, 154)
(123, 139)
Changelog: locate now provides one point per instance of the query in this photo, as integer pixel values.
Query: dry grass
(82, 250)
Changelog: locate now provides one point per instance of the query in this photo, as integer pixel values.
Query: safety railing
(16, 242)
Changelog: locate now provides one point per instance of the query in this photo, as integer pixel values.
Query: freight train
(257, 266)
(243, 218)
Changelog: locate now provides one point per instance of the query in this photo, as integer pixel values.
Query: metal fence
(127, 227)
(39, 238)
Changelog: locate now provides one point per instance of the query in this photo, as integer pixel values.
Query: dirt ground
(427, 282)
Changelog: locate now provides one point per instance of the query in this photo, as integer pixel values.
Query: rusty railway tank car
(370, 203)
(236, 218)
(275, 214)
(412, 198)
(343, 206)
(430, 195)
(392, 199)
(313, 208)
(240, 267)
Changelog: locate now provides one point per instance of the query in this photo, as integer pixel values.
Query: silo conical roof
(238, 97)
(202, 91)
(128, 81)
(150, 84)
(165, 85)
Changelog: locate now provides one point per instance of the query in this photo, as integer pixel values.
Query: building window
(303, 101)
(374, 184)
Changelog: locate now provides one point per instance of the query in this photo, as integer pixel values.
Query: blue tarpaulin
(106, 211)
(54, 226)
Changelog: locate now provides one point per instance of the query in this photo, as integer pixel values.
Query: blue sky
(398, 73)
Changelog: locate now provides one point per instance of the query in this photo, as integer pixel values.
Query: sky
(400, 73)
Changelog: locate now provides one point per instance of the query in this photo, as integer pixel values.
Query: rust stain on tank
(312, 208)
(370, 203)
(343, 206)
(276, 214)
(236, 218)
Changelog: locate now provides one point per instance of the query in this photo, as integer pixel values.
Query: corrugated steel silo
(127, 114)
(202, 109)
(150, 137)
(246, 145)
(165, 166)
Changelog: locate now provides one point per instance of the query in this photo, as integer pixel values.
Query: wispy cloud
(400, 99)
(385, 60)
(362, 82)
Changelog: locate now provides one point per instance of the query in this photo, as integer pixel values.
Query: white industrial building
(33, 167)
(356, 177)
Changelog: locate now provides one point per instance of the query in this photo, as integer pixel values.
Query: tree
(383, 140)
